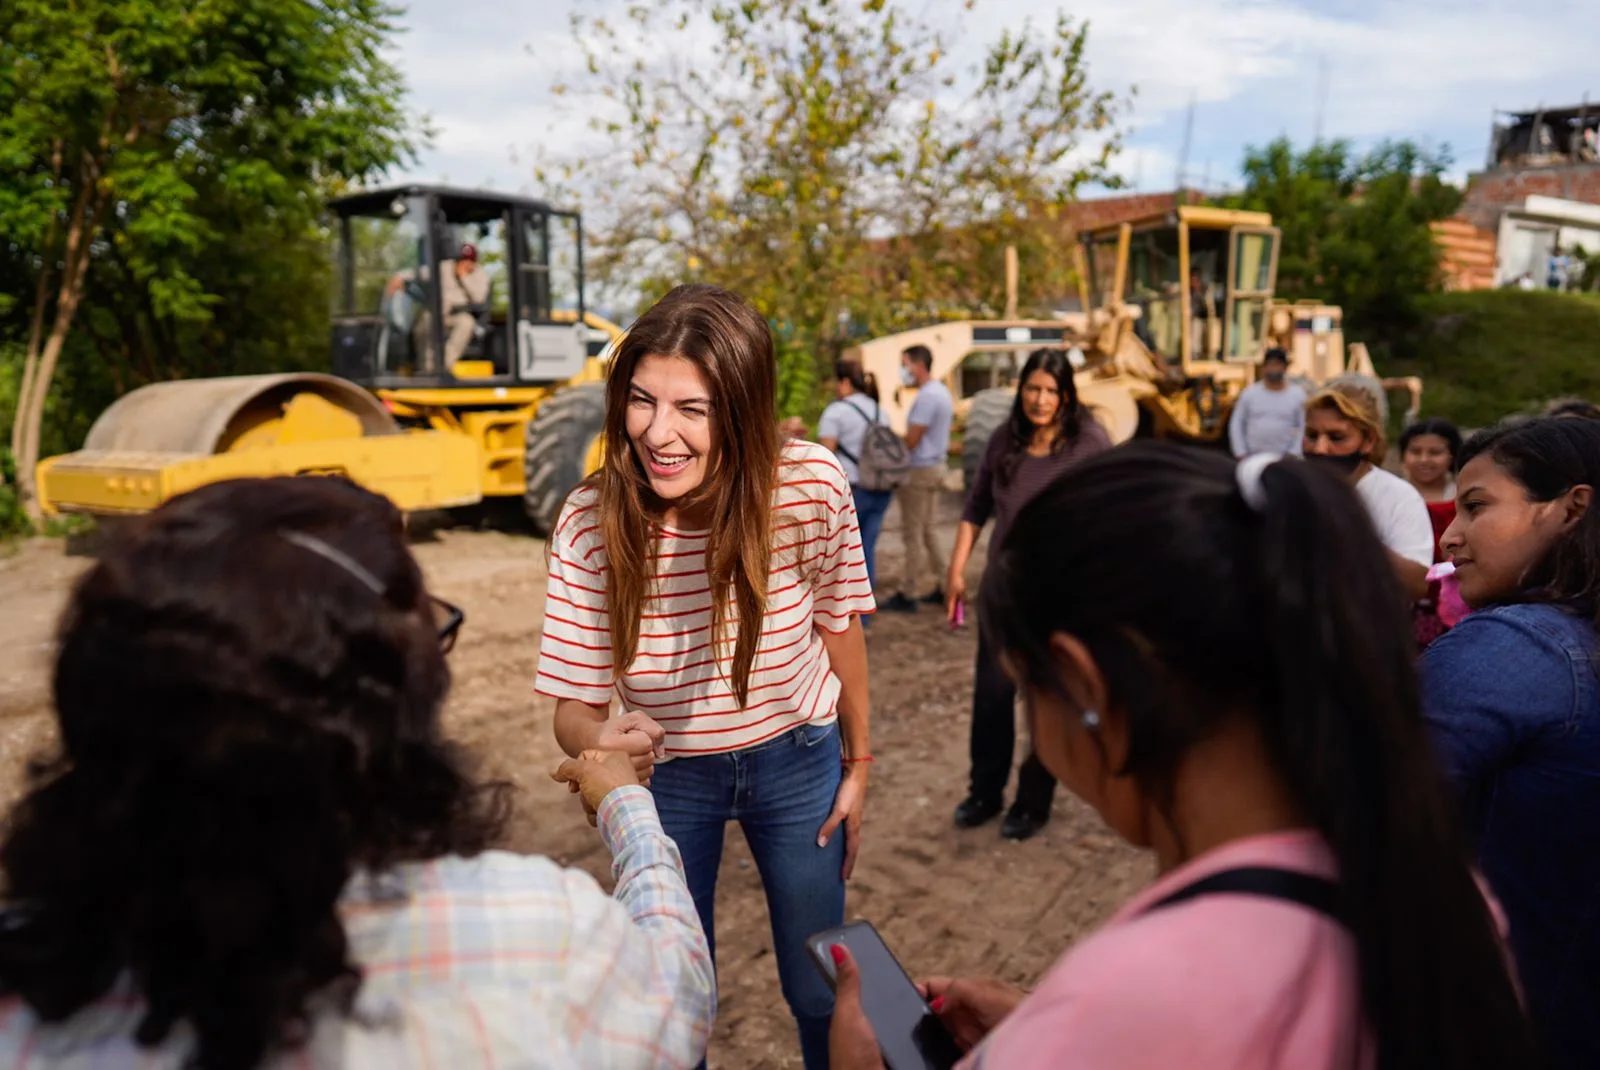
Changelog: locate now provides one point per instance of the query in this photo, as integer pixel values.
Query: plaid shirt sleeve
(645, 975)
(491, 961)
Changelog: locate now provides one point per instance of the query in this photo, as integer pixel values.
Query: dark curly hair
(244, 723)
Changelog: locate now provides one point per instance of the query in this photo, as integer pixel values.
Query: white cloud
(1428, 69)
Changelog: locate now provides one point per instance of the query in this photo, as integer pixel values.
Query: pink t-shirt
(1219, 982)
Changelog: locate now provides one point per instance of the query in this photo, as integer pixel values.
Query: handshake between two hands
(624, 753)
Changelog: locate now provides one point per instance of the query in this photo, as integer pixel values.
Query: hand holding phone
(910, 1035)
(971, 1007)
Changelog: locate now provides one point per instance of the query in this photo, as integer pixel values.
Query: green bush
(13, 521)
(1490, 353)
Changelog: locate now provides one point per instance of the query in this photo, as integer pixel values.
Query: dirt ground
(947, 901)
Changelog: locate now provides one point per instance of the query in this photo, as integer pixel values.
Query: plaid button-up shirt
(502, 960)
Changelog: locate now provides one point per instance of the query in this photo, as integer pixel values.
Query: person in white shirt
(1343, 431)
(843, 429)
(1270, 415)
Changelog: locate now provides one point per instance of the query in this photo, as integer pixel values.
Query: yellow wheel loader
(1176, 313)
(464, 368)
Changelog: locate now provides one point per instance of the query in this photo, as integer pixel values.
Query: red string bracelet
(863, 758)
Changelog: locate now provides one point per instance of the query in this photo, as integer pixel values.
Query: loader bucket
(166, 438)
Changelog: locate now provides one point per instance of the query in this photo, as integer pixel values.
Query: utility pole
(1321, 103)
(1183, 154)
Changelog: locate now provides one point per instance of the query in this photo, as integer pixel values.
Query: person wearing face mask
(1512, 694)
(928, 439)
(1343, 432)
(1270, 415)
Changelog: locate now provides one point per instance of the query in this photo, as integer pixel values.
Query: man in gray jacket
(1270, 415)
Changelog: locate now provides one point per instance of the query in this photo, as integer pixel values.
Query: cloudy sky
(1432, 70)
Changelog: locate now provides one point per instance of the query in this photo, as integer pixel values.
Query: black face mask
(1273, 377)
(1344, 463)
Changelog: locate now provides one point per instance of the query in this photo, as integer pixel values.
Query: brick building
(1538, 194)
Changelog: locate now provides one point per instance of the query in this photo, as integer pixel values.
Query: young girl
(1047, 433)
(1343, 432)
(843, 429)
(1513, 698)
(1260, 736)
(713, 579)
(1428, 451)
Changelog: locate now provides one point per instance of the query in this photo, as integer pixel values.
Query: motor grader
(434, 407)
(1176, 312)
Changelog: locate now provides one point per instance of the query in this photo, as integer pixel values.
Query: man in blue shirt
(928, 439)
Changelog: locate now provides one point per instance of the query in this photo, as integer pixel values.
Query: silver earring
(1091, 719)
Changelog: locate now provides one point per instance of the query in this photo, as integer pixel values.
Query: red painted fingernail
(837, 951)
(937, 1004)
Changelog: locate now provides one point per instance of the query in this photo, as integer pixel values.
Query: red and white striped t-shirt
(818, 580)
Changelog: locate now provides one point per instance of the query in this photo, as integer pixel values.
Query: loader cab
(439, 288)
(1202, 279)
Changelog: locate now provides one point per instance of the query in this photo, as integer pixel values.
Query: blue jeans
(780, 792)
(870, 507)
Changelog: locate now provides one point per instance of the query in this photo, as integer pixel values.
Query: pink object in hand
(961, 613)
(1451, 607)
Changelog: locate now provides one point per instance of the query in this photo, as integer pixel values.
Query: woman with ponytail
(843, 429)
(1261, 737)
(1513, 697)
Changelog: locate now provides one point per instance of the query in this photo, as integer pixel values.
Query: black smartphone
(910, 1035)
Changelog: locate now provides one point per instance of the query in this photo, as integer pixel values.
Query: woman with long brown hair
(712, 577)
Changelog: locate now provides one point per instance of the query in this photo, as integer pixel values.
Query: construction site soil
(946, 900)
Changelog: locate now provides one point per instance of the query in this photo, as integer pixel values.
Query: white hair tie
(1248, 475)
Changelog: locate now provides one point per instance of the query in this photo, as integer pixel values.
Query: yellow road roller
(464, 367)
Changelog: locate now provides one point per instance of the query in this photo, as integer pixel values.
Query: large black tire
(990, 410)
(559, 437)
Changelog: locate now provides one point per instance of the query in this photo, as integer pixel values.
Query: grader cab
(464, 367)
(1177, 312)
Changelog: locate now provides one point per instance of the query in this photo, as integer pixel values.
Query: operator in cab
(465, 290)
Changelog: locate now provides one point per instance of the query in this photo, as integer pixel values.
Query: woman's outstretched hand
(594, 774)
(637, 736)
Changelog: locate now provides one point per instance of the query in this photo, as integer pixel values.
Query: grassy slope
(1484, 355)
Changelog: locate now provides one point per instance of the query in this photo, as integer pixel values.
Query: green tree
(164, 162)
(826, 161)
(1356, 228)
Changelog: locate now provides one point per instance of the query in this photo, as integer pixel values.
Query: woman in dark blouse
(1048, 432)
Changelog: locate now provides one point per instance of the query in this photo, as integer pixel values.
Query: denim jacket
(1512, 697)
